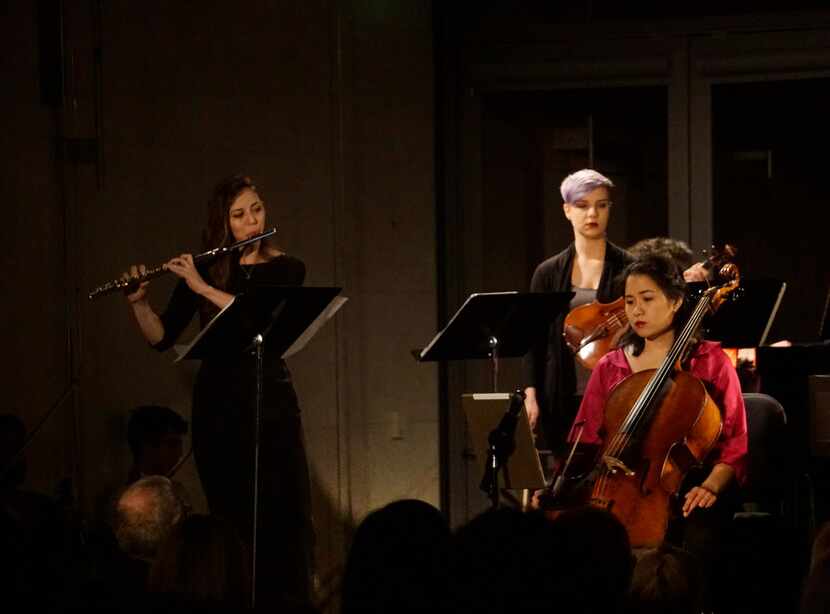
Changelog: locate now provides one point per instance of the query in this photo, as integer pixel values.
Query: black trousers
(223, 447)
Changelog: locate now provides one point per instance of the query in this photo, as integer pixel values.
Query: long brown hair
(217, 233)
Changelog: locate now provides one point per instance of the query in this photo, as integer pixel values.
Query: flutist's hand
(140, 293)
(184, 267)
(148, 322)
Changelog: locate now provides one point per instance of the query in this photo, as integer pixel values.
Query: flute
(133, 282)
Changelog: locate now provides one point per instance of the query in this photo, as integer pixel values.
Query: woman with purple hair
(588, 266)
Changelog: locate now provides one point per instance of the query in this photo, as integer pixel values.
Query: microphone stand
(501, 444)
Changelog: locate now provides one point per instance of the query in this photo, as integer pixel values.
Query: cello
(659, 424)
(592, 330)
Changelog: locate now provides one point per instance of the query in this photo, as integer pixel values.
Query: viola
(594, 329)
(659, 424)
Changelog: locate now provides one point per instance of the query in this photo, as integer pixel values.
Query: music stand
(495, 325)
(746, 321)
(284, 316)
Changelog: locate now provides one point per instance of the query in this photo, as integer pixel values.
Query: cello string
(677, 350)
(640, 409)
(639, 414)
(621, 438)
(674, 354)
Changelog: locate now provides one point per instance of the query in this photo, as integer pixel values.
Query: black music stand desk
(286, 314)
(495, 325)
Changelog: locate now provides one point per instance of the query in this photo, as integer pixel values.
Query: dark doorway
(532, 140)
(769, 191)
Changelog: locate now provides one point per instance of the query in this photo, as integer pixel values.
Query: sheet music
(325, 315)
(182, 350)
(491, 396)
(483, 412)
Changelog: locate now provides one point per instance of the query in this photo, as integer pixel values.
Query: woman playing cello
(655, 306)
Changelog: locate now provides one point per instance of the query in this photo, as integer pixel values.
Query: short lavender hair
(578, 184)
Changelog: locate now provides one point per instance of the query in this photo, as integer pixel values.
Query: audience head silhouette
(155, 435)
(594, 560)
(397, 560)
(667, 581)
(144, 515)
(503, 562)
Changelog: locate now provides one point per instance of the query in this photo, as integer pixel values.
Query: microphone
(501, 437)
(517, 402)
(501, 443)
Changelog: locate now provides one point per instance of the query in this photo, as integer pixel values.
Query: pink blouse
(710, 365)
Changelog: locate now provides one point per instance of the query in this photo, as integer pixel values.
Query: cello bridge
(614, 464)
(602, 503)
